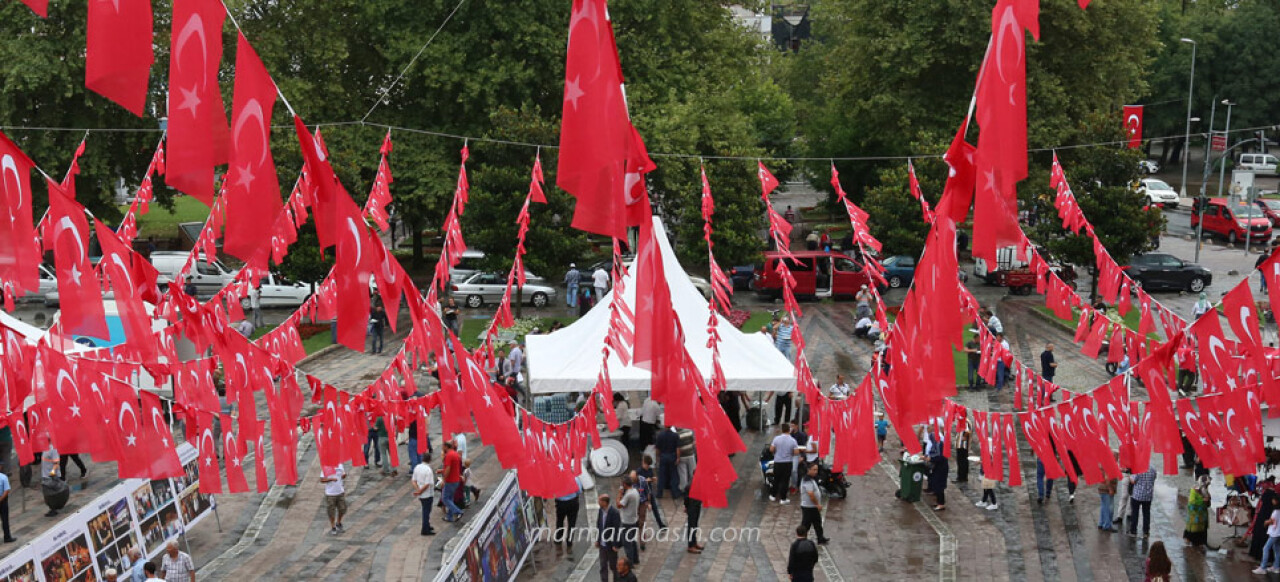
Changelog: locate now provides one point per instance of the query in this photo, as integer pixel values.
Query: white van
(208, 276)
(1261, 163)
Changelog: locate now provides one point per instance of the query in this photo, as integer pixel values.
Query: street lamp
(1186, 144)
(1225, 133)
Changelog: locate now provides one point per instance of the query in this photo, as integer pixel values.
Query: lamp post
(1223, 159)
(1186, 144)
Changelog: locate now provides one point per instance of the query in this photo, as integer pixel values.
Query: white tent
(569, 359)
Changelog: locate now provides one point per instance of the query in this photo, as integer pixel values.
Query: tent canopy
(569, 359)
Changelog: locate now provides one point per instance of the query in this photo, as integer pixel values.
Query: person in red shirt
(452, 471)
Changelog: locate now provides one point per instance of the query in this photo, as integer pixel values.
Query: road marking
(946, 539)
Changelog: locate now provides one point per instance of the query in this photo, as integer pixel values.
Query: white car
(1158, 192)
(277, 292)
(482, 288)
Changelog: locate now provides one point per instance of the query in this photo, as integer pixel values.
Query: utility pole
(1222, 172)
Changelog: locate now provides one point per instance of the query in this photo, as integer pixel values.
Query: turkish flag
(118, 262)
(324, 185)
(232, 456)
(601, 156)
(119, 51)
(127, 431)
(210, 479)
(40, 7)
(535, 182)
(253, 189)
(260, 462)
(1215, 359)
(197, 127)
(157, 439)
(356, 259)
(1001, 96)
(1133, 125)
(19, 253)
(67, 235)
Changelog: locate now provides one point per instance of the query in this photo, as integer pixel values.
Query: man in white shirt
(600, 280)
(335, 496)
(255, 303)
(460, 442)
(839, 390)
(649, 412)
(516, 358)
(783, 448)
(424, 484)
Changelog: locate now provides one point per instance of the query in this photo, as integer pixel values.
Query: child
(473, 491)
(988, 492)
(882, 430)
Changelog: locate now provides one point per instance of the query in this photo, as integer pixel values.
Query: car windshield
(1272, 204)
(1158, 185)
(1246, 211)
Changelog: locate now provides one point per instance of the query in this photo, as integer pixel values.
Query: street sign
(1219, 143)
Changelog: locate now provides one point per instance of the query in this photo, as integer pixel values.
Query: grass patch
(1130, 320)
(162, 223)
(472, 327)
(757, 320)
(310, 345)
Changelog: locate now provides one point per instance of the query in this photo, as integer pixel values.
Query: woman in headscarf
(1269, 501)
(1201, 307)
(1198, 501)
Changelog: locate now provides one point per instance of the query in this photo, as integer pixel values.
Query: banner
(1133, 125)
(497, 542)
(136, 512)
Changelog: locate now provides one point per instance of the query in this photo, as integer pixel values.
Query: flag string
(872, 158)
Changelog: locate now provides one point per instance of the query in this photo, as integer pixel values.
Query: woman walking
(1198, 501)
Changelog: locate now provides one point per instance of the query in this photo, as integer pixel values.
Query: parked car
(702, 285)
(817, 274)
(1160, 271)
(1260, 163)
(1148, 166)
(1232, 220)
(1159, 192)
(742, 276)
(48, 284)
(208, 275)
(278, 292)
(899, 270)
(470, 265)
(1271, 209)
(481, 288)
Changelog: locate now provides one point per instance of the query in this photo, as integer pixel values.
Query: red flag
(768, 183)
(260, 463)
(21, 437)
(197, 120)
(232, 455)
(324, 184)
(128, 431)
(355, 260)
(535, 182)
(40, 7)
(119, 52)
(601, 156)
(19, 253)
(78, 288)
(1132, 121)
(119, 263)
(1001, 95)
(157, 440)
(1215, 358)
(210, 480)
(253, 189)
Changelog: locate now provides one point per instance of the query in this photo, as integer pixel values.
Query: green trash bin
(911, 481)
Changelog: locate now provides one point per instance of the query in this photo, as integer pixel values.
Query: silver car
(482, 288)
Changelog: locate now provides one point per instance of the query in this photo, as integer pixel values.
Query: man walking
(624, 573)
(802, 557)
(1144, 486)
(629, 513)
(177, 566)
(649, 412)
(1107, 491)
(811, 504)
(600, 280)
(255, 304)
(4, 507)
(452, 480)
(335, 498)
(571, 280)
(783, 448)
(609, 526)
(667, 444)
(424, 484)
(377, 321)
(567, 519)
(1047, 364)
(693, 507)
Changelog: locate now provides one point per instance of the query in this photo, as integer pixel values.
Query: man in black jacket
(609, 526)
(802, 558)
